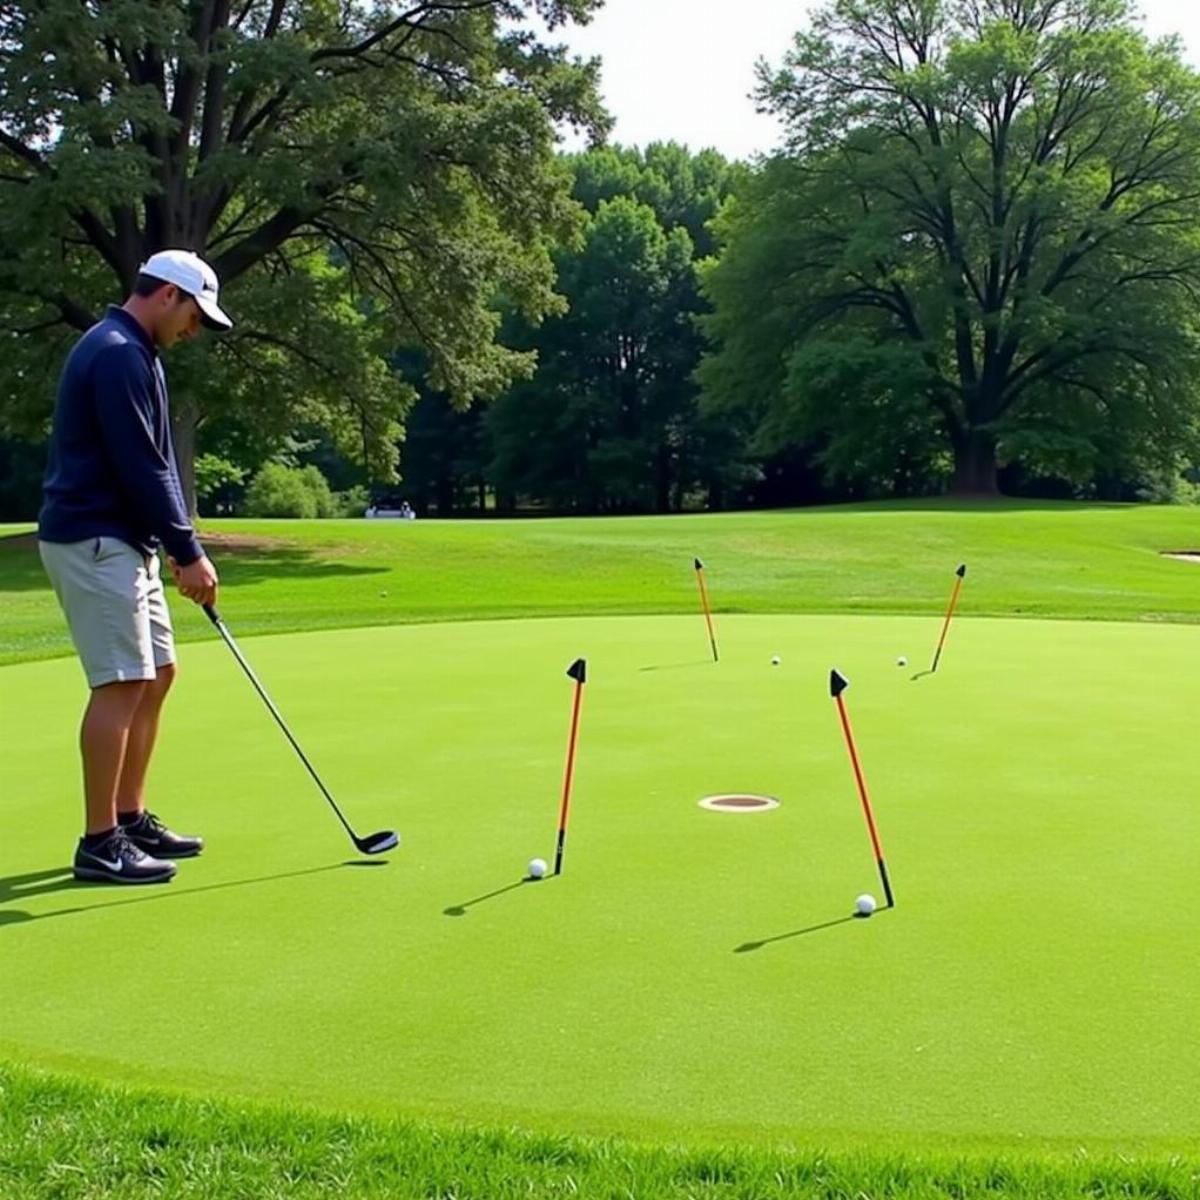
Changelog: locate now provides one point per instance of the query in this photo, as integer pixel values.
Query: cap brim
(212, 315)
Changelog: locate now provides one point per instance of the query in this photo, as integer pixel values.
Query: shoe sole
(159, 852)
(93, 875)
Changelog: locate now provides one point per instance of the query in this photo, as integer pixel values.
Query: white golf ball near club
(864, 905)
(775, 660)
(902, 661)
(537, 868)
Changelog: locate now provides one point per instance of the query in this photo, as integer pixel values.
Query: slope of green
(1060, 560)
(691, 974)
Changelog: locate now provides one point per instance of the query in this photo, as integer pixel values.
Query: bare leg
(142, 733)
(103, 743)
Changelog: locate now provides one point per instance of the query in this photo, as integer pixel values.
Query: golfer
(111, 497)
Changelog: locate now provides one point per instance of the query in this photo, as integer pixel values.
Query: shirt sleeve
(125, 407)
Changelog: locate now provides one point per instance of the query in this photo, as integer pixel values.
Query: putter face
(379, 843)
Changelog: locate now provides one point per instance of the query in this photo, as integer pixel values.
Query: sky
(683, 70)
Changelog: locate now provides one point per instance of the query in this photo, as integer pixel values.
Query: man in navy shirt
(112, 498)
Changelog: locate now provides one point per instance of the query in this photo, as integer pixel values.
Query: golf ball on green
(537, 868)
(902, 661)
(775, 660)
(864, 905)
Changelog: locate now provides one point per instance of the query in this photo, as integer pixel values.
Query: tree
(610, 421)
(980, 242)
(366, 175)
(685, 189)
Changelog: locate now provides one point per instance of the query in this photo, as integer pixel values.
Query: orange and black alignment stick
(578, 672)
(838, 683)
(712, 637)
(960, 572)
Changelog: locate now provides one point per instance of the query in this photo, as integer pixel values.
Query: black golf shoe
(118, 860)
(152, 836)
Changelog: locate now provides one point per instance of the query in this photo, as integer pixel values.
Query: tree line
(973, 264)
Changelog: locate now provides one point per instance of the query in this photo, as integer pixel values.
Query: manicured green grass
(72, 1141)
(1018, 1022)
(691, 974)
(1059, 560)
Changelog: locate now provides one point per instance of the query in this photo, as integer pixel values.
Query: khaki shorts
(113, 600)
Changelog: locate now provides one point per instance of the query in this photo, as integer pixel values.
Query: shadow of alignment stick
(373, 843)
(578, 672)
(712, 637)
(960, 573)
(838, 683)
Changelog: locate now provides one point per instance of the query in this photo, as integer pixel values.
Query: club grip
(211, 613)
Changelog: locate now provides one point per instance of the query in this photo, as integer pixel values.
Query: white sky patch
(683, 70)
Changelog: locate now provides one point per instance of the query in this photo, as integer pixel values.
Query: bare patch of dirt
(244, 543)
(226, 543)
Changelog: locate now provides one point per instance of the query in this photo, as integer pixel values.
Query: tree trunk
(975, 465)
(184, 419)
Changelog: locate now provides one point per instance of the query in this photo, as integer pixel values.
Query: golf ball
(537, 868)
(864, 905)
(902, 661)
(775, 660)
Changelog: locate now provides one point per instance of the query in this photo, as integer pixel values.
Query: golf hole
(739, 802)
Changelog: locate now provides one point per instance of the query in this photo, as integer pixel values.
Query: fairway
(691, 974)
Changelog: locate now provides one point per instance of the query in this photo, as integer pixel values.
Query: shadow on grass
(460, 910)
(746, 947)
(988, 505)
(679, 666)
(40, 883)
(240, 562)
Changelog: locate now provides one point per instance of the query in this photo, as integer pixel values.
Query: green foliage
(22, 465)
(684, 189)
(352, 502)
(981, 242)
(280, 491)
(214, 473)
(362, 177)
(610, 421)
(74, 1141)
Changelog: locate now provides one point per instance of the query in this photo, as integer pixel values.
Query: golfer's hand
(197, 581)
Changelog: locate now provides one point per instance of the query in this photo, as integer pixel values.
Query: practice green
(691, 972)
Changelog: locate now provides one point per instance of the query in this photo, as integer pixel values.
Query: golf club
(373, 843)
(838, 683)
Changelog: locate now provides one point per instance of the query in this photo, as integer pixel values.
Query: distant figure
(406, 511)
(111, 497)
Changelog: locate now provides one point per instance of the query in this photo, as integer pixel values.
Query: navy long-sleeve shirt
(112, 469)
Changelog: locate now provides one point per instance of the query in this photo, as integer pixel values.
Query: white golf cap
(191, 274)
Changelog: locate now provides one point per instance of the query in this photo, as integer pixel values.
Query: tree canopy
(982, 240)
(366, 176)
(610, 421)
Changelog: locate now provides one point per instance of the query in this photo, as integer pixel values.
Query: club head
(378, 843)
